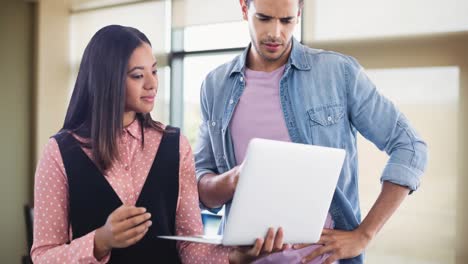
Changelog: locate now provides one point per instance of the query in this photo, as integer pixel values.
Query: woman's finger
(134, 240)
(133, 232)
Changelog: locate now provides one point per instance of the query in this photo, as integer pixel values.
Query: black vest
(92, 199)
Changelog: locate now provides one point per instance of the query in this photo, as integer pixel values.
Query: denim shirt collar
(297, 58)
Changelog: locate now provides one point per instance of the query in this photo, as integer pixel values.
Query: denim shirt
(326, 99)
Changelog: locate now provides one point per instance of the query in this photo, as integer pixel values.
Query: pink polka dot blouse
(52, 232)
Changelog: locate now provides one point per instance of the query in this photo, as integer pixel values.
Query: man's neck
(257, 63)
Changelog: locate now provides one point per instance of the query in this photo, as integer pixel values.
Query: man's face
(271, 26)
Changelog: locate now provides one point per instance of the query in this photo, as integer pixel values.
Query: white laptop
(281, 184)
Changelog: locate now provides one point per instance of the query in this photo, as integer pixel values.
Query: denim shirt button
(213, 123)
(329, 118)
(241, 79)
(231, 102)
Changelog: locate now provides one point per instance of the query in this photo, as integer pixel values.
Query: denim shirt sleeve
(378, 120)
(204, 157)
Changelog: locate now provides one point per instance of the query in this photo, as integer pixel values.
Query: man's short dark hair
(301, 2)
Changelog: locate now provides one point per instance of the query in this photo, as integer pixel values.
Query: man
(280, 89)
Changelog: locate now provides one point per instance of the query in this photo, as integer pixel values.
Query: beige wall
(53, 70)
(32, 104)
(16, 19)
(462, 182)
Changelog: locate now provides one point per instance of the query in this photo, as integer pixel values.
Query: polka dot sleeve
(188, 215)
(51, 225)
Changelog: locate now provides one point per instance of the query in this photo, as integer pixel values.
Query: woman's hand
(124, 227)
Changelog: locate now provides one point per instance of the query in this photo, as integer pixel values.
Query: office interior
(415, 51)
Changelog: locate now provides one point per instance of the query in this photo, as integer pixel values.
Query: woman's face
(142, 80)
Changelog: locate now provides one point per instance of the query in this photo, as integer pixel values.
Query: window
(152, 18)
(196, 67)
(221, 36)
(200, 38)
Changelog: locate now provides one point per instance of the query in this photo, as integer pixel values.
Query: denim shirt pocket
(215, 128)
(327, 125)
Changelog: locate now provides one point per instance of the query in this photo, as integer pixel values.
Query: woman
(112, 179)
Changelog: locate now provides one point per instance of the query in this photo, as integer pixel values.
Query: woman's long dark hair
(97, 104)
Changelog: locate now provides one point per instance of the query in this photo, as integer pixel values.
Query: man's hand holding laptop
(278, 184)
(273, 242)
(219, 189)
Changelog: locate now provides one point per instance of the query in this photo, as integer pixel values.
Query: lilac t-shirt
(258, 114)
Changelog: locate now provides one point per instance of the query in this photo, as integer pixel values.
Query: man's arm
(348, 244)
(379, 121)
(390, 198)
(216, 190)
